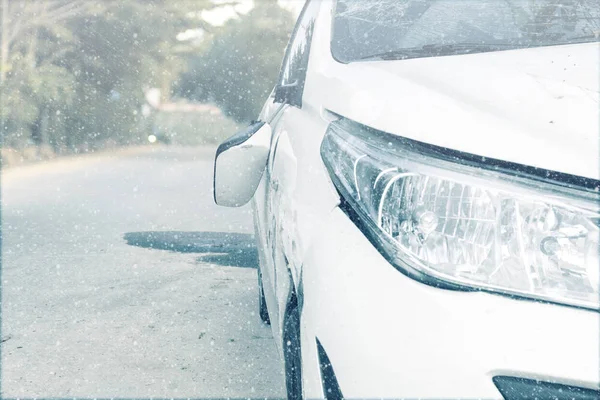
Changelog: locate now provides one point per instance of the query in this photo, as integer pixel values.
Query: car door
(277, 186)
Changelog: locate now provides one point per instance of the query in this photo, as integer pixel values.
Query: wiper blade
(401, 54)
(432, 50)
(470, 47)
(595, 35)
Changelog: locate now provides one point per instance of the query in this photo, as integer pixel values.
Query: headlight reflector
(439, 216)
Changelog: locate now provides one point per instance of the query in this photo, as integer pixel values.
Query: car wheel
(292, 354)
(262, 303)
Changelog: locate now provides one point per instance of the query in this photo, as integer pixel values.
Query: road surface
(112, 287)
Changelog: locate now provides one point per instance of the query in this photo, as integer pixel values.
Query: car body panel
(408, 339)
(549, 116)
(292, 213)
(287, 213)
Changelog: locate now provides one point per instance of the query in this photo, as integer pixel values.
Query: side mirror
(240, 163)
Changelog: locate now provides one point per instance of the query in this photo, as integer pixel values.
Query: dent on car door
(271, 114)
(300, 198)
(281, 175)
(282, 165)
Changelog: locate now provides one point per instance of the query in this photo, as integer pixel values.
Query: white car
(425, 187)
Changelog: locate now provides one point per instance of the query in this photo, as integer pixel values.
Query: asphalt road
(120, 278)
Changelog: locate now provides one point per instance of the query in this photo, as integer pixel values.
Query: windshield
(400, 29)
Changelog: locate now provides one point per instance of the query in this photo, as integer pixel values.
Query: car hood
(537, 106)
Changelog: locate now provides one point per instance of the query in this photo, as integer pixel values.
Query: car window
(293, 70)
(424, 28)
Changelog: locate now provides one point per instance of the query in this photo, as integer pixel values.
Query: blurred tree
(30, 78)
(19, 18)
(241, 66)
(130, 47)
(73, 72)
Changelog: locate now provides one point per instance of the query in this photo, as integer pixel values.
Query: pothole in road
(221, 248)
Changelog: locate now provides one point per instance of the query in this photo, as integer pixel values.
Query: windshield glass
(400, 29)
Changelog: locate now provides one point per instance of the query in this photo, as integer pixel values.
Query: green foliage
(242, 65)
(192, 129)
(74, 72)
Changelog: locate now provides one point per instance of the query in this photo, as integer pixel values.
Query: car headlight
(460, 221)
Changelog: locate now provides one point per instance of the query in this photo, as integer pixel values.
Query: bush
(10, 157)
(193, 128)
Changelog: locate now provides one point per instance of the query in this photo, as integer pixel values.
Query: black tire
(262, 303)
(292, 353)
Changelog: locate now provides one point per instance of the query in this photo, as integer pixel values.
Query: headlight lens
(456, 220)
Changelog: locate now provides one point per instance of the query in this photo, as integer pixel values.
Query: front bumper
(389, 336)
